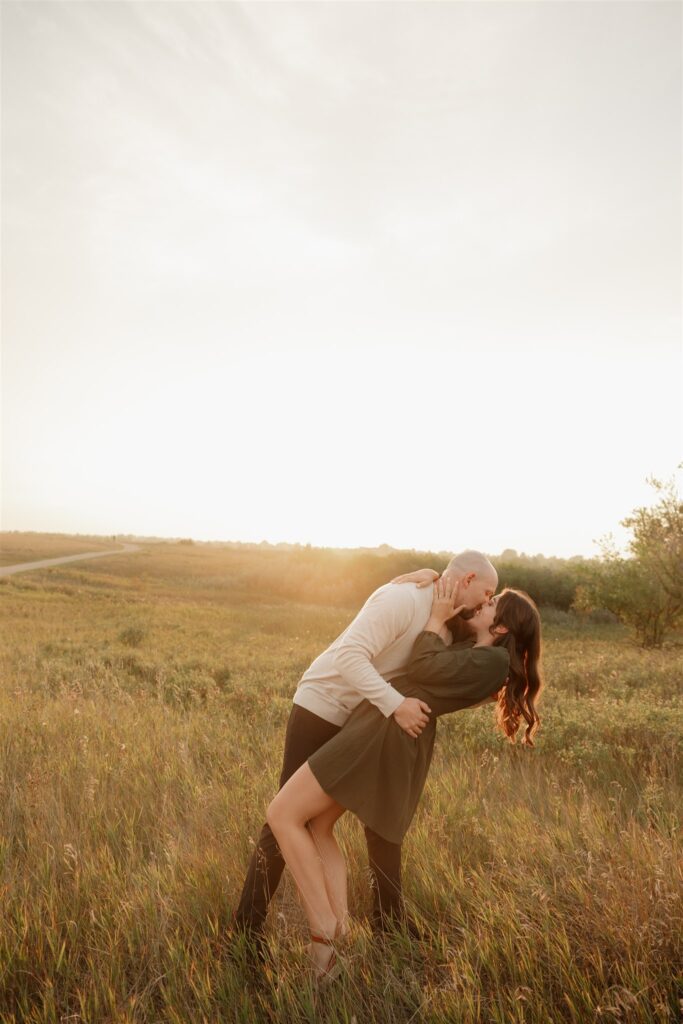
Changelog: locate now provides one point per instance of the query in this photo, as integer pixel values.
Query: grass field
(34, 547)
(142, 712)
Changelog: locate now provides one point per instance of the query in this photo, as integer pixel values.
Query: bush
(644, 590)
(132, 636)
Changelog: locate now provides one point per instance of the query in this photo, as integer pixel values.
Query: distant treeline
(343, 577)
(642, 589)
(551, 582)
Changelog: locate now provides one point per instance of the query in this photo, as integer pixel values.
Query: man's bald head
(475, 576)
(471, 561)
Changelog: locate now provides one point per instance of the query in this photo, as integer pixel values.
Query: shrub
(132, 636)
(644, 590)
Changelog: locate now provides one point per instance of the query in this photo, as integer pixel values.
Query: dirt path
(9, 570)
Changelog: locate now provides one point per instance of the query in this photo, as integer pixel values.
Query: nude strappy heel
(334, 967)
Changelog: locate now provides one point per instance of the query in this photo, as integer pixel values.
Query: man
(359, 665)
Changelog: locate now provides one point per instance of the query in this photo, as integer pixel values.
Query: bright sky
(340, 273)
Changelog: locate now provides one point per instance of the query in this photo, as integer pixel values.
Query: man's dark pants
(307, 732)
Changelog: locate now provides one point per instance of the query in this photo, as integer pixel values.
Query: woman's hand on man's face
(443, 601)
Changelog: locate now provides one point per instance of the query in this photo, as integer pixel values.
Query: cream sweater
(372, 650)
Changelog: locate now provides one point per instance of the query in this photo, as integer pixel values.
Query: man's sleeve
(385, 616)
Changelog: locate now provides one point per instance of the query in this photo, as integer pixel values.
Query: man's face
(486, 614)
(475, 592)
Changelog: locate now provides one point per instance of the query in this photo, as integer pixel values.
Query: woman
(372, 767)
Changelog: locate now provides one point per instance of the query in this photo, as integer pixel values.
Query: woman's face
(483, 619)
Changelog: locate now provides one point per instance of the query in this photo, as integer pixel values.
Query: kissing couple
(361, 733)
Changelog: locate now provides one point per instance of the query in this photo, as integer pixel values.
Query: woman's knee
(282, 813)
(274, 815)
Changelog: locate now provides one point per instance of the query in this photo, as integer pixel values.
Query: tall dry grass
(142, 714)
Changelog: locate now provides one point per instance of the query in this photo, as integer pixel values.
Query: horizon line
(511, 552)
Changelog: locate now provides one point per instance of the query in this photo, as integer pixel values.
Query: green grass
(142, 712)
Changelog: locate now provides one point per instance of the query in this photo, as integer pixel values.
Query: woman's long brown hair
(516, 610)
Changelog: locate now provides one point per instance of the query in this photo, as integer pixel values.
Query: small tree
(646, 590)
(658, 539)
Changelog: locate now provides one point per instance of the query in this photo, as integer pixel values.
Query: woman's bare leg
(334, 863)
(300, 799)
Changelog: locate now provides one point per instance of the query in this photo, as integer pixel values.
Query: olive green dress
(372, 766)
